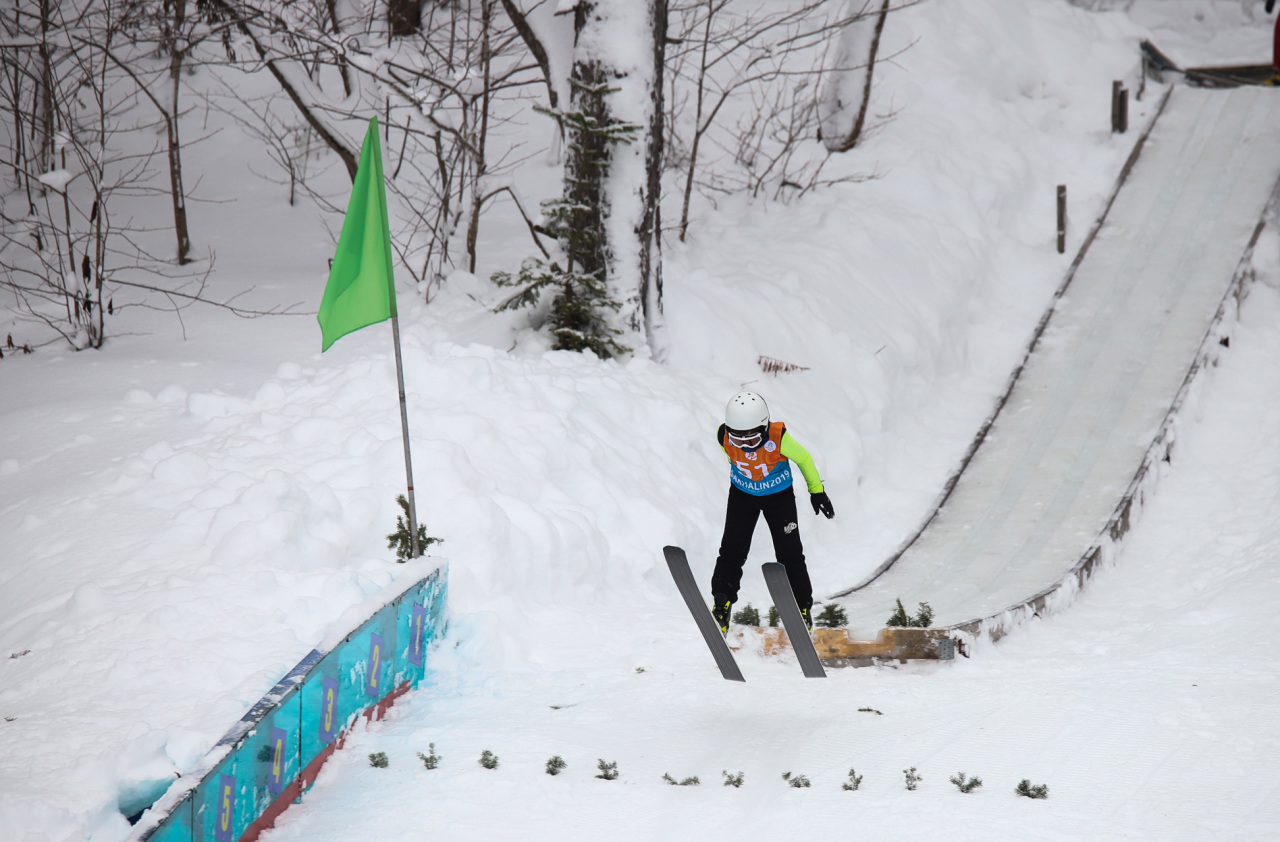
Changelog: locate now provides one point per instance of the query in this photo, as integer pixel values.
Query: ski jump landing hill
(1054, 477)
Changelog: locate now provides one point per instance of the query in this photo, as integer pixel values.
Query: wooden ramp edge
(836, 648)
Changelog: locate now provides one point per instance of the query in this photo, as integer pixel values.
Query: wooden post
(1119, 107)
(1062, 218)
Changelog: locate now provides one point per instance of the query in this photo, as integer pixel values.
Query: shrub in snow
(577, 317)
(608, 771)
(431, 760)
(488, 759)
(797, 781)
(556, 765)
(399, 540)
(966, 785)
(774, 617)
(851, 785)
(1026, 788)
(732, 780)
(832, 617)
(747, 616)
(922, 619)
(913, 780)
(693, 781)
(870, 710)
(378, 760)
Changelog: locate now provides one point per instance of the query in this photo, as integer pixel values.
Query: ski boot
(807, 617)
(721, 607)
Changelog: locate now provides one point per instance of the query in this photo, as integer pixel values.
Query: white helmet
(744, 417)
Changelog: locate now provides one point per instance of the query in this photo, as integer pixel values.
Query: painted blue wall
(300, 718)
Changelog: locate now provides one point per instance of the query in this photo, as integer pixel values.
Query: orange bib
(763, 470)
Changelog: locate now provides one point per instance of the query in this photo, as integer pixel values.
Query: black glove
(822, 503)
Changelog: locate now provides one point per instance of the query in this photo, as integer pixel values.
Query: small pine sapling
(870, 710)
(797, 781)
(734, 781)
(966, 784)
(608, 771)
(913, 780)
(1026, 788)
(851, 785)
(693, 781)
(378, 760)
(578, 317)
(399, 540)
(900, 619)
(431, 760)
(748, 616)
(924, 617)
(488, 759)
(556, 765)
(832, 617)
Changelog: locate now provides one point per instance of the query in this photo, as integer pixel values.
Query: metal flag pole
(404, 428)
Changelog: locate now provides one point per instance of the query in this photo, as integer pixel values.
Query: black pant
(740, 519)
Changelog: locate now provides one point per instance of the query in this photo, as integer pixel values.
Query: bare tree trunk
(697, 121)
(535, 46)
(176, 55)
(343, 70)
(344, 153)
(650, 232)
(850, 140)
(583, 188)
(45, 93)
(478, 188)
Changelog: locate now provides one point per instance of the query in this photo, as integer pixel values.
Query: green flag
(361, 291)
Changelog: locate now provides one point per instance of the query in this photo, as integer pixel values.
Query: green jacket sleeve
(793, 451)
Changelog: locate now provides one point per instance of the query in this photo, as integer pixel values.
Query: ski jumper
(761, 482)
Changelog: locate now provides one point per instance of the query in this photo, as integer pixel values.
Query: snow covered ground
(1146, 708)
(183, 517)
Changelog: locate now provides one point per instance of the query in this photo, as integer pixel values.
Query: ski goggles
(746, 439)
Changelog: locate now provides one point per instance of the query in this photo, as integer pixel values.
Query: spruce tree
(832, 617)
(399, 540)
(580, 310)
(748, 616)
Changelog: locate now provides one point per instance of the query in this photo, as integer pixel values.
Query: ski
(775, 576)
(679, 564)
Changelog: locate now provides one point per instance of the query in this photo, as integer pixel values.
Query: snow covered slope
(1075, 428)
(1147, 709)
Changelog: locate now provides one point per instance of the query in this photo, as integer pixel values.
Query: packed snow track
(1041, 489)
